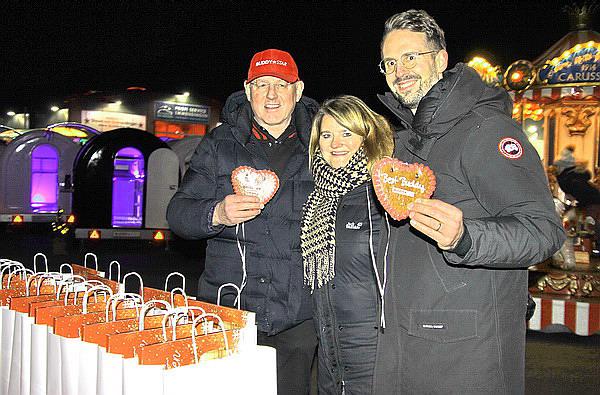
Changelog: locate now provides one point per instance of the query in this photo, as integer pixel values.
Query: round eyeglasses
(264, 87)
(408, 61)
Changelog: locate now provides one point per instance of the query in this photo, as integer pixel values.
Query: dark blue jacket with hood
(274, 289)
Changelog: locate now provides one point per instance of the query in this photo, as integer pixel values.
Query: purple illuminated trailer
(128, 188)
(123, 182)
(35, 176)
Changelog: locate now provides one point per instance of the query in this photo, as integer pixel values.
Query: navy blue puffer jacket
(274, 289)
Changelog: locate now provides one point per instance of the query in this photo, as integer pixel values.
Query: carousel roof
(572, 62)
(567, 42)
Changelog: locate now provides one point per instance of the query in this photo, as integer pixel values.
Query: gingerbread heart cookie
(398, 183)
(251, 182)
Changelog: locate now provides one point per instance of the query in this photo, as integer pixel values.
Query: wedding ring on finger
(439, 226)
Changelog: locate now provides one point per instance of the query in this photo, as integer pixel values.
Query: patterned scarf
(318, 222)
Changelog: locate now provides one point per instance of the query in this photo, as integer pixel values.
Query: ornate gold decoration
(578, 118)
(590, 283)
(580, 15)
(519, 76)
(558, 283)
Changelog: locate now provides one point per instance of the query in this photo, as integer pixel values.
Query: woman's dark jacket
(274, 289)
(346, 309)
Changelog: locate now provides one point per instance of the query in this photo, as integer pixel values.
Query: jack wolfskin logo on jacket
(354, 226)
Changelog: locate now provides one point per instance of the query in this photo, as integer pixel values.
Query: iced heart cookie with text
(398, 183)
(251, 182)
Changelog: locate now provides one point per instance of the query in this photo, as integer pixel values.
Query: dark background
(55, 48)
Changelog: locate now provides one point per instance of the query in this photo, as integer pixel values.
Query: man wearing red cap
(256, 246)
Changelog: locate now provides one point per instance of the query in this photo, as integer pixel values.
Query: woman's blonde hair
(354, 115)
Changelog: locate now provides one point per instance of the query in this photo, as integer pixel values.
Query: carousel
(557, 102)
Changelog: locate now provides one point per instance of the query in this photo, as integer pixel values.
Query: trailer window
(128, 188)
(44, 179)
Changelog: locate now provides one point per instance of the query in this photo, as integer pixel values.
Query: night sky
(60, 48)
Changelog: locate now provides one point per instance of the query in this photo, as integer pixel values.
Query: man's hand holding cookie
(235, 209)
(440, 221)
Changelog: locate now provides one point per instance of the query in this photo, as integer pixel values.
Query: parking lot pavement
(152, 260)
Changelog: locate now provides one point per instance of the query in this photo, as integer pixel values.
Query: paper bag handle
(82, 282)
(221, 325)
(95, 289)
(66, 281)
(40, 277)
(139, 278)
(8, 267)
(85, 260)
(35, 262)
(147, 306)
(118, 271)
(185, 299)
(111, 303)
(19, 270)
(239, 291)
(174, 274)
(60, 269)
(175, 314)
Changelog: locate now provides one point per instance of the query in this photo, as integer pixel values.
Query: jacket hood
(237, 112)
(459, 92)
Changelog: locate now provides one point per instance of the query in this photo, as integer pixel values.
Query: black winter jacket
(274, 288)
(346, 309)
(457, 325)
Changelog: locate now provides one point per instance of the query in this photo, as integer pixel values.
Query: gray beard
(412, 101)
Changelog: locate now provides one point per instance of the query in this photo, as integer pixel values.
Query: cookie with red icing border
(398, 183)
(248, 181)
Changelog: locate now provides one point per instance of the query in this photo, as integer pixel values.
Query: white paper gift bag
(110, 373)
(251, 371)
(164, 350)
(39, 357)
(53, 367)
(142, 379)
(69, 368)
(14, 377)
(89, 353)
(88, 369)
(25, 374)
(8, 327)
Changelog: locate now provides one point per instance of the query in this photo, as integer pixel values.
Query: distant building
(172, 116)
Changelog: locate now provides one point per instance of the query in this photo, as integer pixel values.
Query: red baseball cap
(275, 63)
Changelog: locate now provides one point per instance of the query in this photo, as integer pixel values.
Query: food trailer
(123, 181)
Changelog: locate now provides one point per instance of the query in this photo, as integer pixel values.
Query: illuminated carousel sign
(579, 64)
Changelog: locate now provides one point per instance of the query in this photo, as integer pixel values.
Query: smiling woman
(337, 144)
(346, 123)
(340, 227)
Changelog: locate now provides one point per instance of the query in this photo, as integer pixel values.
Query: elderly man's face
(273, 101)
(410, 85)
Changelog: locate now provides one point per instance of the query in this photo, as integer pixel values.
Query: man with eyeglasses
(253, 246)
(456, 289)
